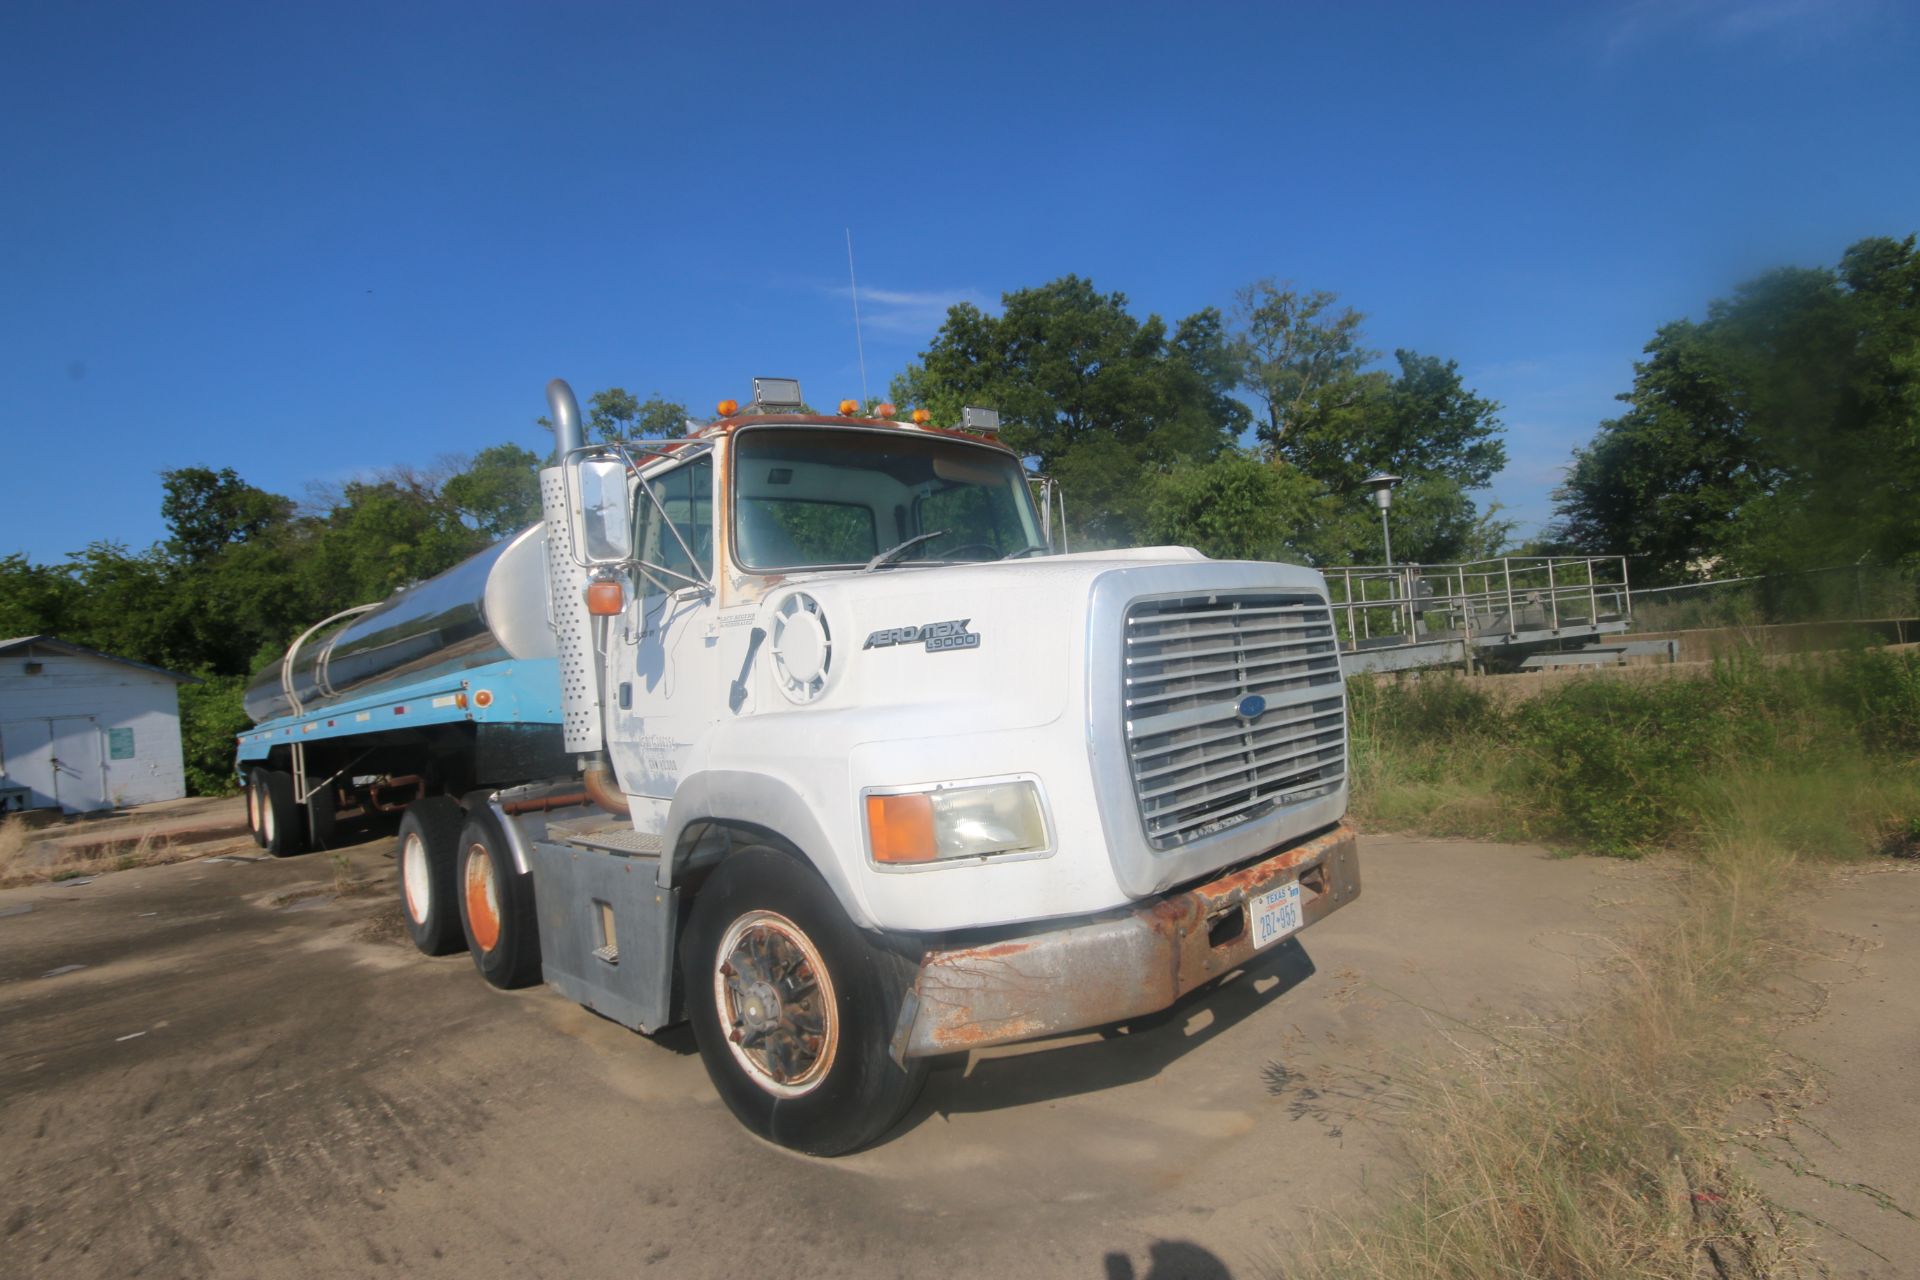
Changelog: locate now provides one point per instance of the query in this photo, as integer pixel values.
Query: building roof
(81, 651)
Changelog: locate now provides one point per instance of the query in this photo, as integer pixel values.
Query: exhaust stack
(564, 412)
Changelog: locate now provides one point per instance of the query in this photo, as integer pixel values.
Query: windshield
(813, 497)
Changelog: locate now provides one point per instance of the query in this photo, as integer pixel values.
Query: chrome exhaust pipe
(563, 411)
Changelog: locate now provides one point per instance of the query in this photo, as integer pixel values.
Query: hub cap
(776, 1004)
(413, 878)
(483, 902)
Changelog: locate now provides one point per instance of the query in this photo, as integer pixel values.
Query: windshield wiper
(892, 554)
(1024, 552)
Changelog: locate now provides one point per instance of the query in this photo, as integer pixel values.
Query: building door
(79, 764)
(26, 753)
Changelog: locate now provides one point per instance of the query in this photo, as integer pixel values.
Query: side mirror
(603, 511)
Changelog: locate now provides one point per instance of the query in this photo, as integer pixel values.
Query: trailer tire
(496, 906)
(424, 863)
(283, 821)
(256, 803)
(820, 1078)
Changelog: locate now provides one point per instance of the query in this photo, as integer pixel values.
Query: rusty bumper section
(1112, 968)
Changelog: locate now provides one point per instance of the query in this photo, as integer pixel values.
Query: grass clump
(1589, 1149)
(1824, 745)
(1596, 1147)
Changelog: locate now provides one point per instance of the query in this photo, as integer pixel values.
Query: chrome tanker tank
(485, 609)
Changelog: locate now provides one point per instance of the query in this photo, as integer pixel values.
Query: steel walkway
(1393, 618)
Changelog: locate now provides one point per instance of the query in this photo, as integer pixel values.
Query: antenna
(853, 287)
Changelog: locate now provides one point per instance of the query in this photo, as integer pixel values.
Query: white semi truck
(800, 729)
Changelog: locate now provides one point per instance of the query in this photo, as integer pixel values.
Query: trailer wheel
(256, 805)
(283, 823)
(794, 1008)
(496, 906)
(429, 846)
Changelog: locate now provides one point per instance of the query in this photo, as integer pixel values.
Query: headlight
(956, 822)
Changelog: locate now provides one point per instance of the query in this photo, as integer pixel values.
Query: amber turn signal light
(900, 828)
(605, 598)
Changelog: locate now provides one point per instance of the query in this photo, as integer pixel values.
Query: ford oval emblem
(1251, 706)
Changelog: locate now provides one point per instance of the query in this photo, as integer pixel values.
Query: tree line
(1779, 433)
(1782, 430)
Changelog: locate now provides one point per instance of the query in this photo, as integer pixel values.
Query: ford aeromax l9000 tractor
(809, 731)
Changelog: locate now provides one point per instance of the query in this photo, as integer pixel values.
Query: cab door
(662, 668)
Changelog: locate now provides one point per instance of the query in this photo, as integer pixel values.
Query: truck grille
(1199, 763)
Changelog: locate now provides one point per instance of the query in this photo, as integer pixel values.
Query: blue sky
(304, 241)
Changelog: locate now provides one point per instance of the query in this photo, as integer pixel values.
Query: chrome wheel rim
(776, 1003)
(414, 882)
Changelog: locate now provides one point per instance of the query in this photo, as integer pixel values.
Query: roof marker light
(922, 417)
(849, 407)
(883, 410)
(728, 408)
(777, 393)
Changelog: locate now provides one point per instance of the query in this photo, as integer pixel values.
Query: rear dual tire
(496, 905)
(429, 844)
(279, 821)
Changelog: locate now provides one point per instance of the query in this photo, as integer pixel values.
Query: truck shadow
(1124, 1054)
(1170, 1260)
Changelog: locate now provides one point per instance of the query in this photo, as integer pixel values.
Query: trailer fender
(737, 797)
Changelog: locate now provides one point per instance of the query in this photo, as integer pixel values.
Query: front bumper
(1112, 968)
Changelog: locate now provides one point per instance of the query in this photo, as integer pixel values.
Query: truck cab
(866, 769)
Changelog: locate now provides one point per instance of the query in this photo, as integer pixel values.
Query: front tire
(496, 906)
(429, 846)
(794, 1008)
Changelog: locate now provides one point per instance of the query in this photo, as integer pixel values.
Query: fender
(758, 799)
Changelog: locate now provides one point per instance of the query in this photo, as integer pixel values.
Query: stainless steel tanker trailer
(800, 729)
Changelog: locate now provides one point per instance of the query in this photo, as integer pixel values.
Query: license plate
(1276, 913)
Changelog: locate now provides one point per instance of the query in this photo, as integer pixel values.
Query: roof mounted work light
(777, 393)
(985, 422)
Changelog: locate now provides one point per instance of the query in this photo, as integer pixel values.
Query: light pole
(1382, 485)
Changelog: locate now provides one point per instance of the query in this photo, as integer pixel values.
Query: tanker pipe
(564, 412)
(601, 787)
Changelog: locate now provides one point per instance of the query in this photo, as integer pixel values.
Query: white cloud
(913, 313)
(1731, 21)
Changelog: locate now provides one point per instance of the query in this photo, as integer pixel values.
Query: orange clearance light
(849, 407)
(484, 698)
(900, 828)
(883, 410)
(728, 408)
(605, 598)
(922, 416)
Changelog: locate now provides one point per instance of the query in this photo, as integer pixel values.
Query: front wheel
(794, 1008)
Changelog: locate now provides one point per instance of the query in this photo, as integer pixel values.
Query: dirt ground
(250, 1075)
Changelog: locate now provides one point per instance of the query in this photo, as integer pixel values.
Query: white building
(86, 730)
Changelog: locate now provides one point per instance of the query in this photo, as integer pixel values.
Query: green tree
(1781, 432)
(208, 510)
(498, 493)
(1298, 355)
(617, 414)
(1104, 399)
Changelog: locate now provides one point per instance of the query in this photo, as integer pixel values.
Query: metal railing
(1498, 601)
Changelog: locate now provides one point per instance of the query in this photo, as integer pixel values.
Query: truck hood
(977, 645)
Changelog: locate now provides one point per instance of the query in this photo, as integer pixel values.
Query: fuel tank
(488, 608)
